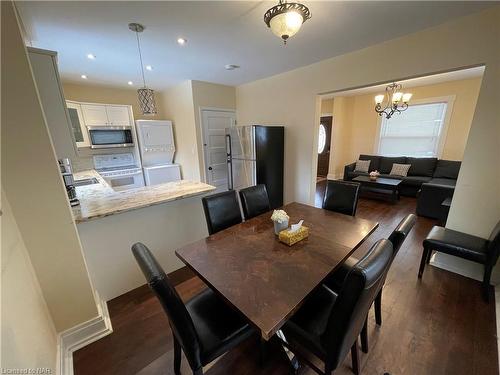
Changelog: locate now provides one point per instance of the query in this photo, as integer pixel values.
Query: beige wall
(209, 95)
(111, 95)
(326, 107)
(34, 187)
(340, 146)
(364, 122)
(178, 106)
(291, 99)
(28, 334)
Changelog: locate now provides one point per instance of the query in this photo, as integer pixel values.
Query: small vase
(373, 178)
(278, 227)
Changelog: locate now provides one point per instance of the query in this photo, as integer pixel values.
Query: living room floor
(437, 325)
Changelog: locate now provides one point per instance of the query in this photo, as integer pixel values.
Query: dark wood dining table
(266, 280)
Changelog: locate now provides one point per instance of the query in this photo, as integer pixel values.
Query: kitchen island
(164, 217)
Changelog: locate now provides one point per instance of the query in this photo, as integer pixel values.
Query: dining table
(265, 279)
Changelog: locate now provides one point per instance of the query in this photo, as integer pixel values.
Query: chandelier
(396, 101)
(146, 96)
(286, 19)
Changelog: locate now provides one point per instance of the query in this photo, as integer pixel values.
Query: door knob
(209, 168)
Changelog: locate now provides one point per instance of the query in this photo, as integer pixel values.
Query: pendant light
(286, 19)
(146, 96)
(396, 101)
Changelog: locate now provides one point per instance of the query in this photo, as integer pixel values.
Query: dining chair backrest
(351, 307)
(178, 316)
(254, 201)
(494, 244)
(341, 196)
(399, 234)
(222, 211)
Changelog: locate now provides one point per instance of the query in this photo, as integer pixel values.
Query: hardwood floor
(439, 325)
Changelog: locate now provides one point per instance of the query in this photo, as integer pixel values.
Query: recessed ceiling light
(149, 67)
(231, 66)
(130, 83)
(182, 41)
(83, 76)
(91, 56)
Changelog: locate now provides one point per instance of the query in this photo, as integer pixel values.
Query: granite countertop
(100, 200)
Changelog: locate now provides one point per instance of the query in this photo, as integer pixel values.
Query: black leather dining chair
(254, 201)
(328, 324)
(336, 280)
(465, 246)
(341, 196)
(204, 328)
(222, 211)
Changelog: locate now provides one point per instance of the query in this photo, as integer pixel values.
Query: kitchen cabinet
(95, 115)
(106, 115)
(118, 115)
(77, 123)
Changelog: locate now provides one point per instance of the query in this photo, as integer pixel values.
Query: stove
(119, 170)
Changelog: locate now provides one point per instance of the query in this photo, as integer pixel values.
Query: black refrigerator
(255, 155)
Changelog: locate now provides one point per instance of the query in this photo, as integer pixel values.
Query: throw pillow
(400, 169)
(362, 166)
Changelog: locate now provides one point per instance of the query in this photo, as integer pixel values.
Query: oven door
(126, 181)
(110, 136)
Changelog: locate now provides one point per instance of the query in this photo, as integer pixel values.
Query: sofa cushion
(362, 166)
(443, 181)
(415, 180)
(447, 169)
(421, 166)
(386, 163)
(400, 169)
(375, 161)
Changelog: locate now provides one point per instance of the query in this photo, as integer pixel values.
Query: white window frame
(449, 100)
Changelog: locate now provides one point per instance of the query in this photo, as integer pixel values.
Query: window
(321, 138)
(414, 132)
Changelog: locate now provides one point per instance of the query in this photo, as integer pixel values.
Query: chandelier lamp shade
(286, 19)
(145, 95)
(395, 101)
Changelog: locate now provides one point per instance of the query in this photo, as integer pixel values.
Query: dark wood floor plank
(437, 325)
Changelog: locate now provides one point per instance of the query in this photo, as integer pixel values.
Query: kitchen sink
(86, 181)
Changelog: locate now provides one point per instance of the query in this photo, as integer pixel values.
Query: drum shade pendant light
(286, 19)
(146, 95)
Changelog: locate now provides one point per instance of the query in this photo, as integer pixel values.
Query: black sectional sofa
(431, 179)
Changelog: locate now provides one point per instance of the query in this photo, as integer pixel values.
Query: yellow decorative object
(291, 238)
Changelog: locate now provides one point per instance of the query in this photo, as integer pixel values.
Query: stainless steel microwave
(110, 136)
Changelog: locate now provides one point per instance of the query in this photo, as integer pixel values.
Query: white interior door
(214, 145)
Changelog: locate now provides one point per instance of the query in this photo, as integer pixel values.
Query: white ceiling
(218, 33)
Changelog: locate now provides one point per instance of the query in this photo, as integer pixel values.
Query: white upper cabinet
(118, 115)
(77, 123)
(106, 115)
(95, 115)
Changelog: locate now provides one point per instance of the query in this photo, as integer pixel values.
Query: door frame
(203, 133)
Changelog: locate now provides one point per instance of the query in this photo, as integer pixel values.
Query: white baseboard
(458, 265)
(497, 313)
(332, 176)
(81, 335)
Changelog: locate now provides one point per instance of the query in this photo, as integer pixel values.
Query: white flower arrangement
(374, 174)
(280, 216)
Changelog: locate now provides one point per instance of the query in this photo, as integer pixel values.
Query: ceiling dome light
(130, 83)
(149, 67)
(91, 56)
(182, 41)
(84, 76)
(286, 19)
